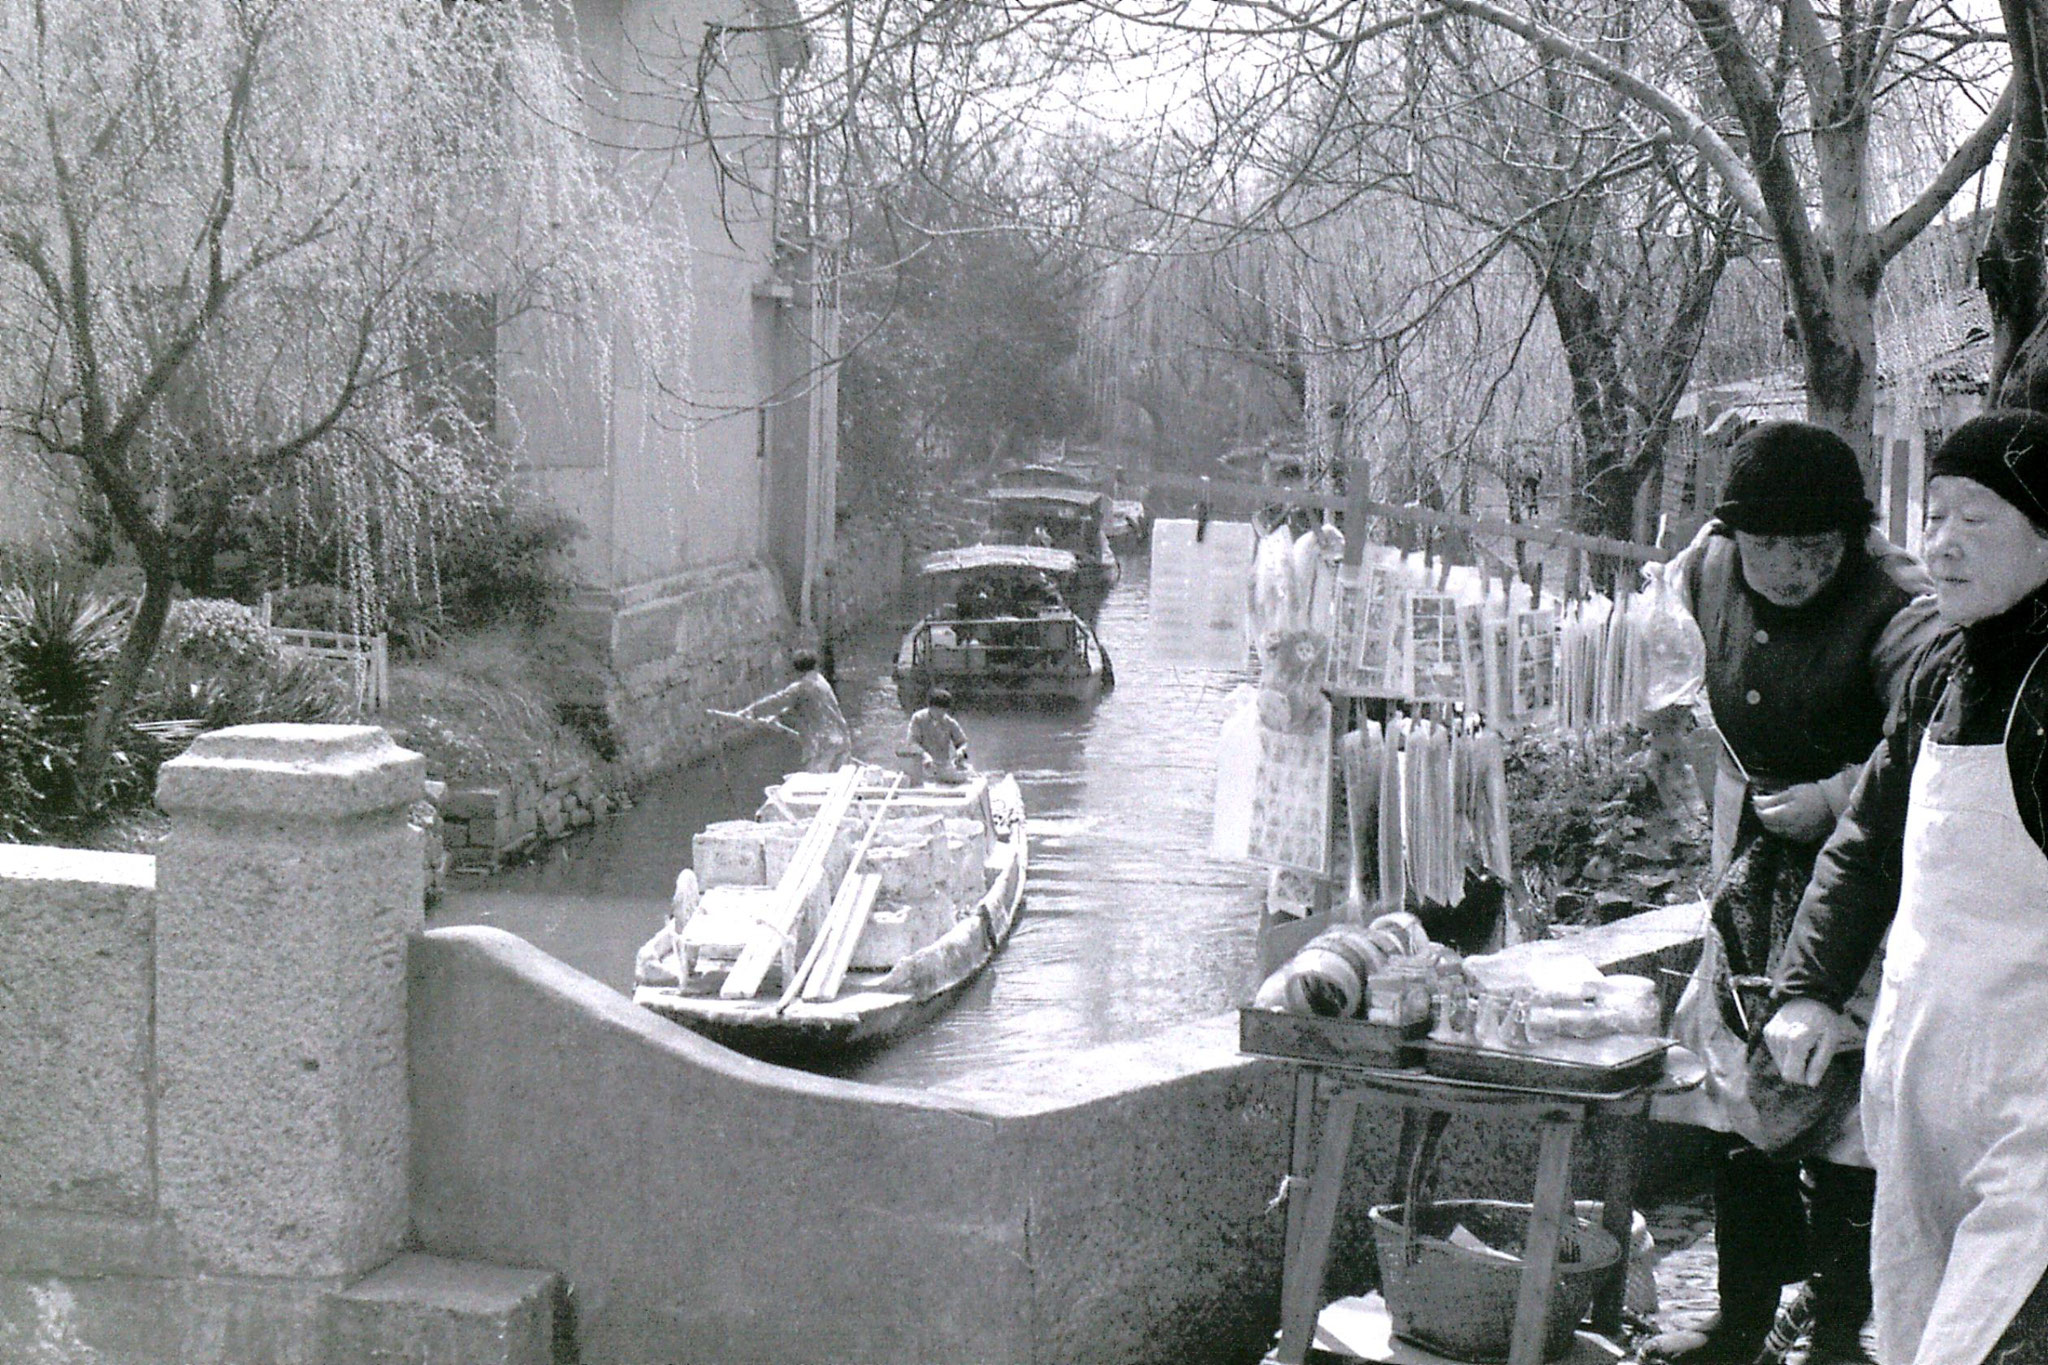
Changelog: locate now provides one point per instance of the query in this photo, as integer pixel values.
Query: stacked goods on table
(1384, 972)
(1517, 1018)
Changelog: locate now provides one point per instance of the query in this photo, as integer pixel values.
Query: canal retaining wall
(249, 1112)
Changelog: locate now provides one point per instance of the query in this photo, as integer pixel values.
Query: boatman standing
(938, 735)
(1940, 869)
(809, 708)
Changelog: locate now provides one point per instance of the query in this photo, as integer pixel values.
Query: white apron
(1955, 1080)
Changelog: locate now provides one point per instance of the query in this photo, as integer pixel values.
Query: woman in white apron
(1945, 845)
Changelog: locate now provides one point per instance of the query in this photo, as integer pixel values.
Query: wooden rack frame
(1358, 504)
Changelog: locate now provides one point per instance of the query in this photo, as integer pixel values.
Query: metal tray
(1599, 1066)
(1312, 1038)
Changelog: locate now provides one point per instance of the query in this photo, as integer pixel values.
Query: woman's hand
(1803, 1038)
(1799, 812)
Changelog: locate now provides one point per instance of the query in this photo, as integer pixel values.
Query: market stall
(1366, 769)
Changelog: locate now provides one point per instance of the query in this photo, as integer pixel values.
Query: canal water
(1130, 926)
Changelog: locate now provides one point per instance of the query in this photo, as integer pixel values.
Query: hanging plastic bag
(1237, 769)
(1670, 648)
(1272, 588)
(1721, 1101)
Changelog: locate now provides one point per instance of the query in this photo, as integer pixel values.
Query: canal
(1130, 926)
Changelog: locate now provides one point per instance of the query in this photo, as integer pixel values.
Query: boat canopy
(1064, 497)
(975, 558)
(1032, 477)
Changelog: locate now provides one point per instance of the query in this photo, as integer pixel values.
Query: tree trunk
(1599, 404)
(2011, 266)
(1841, 369)
(112, 708)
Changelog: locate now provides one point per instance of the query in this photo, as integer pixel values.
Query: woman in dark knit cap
(1940, 867)
(1810, 620)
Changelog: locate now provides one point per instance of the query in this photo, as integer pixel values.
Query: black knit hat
(1794, 479)
(2006, 451)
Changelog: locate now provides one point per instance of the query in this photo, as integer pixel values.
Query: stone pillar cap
(292, 771)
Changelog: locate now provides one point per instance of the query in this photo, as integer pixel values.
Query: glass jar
(1398, 996)
(1501, 1019)
(1452, 1009)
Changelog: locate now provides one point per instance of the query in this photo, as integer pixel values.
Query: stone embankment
(482, 828)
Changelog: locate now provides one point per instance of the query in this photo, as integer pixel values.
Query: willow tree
(233, 234)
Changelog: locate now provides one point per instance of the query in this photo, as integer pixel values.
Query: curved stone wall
(705, 1206)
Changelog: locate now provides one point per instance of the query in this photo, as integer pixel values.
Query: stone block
(906, 873)
(554, 823)
(75, 960)
(729, 853)
(579, 817)
(898, 930)
(147, 1320)
(454, 833)
(525, 824)
(429, 1310)
(288, 886)
(437, 792)
(475, 858)
(477, 803)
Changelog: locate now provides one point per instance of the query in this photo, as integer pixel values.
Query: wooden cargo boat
(791, 969)
(997, 628)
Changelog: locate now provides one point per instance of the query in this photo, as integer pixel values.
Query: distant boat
(995, 627)
(883, 959)
(1127, 519)
(1072, 519)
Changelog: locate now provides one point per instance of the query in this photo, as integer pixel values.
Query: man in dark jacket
(1942, 861)
(1810, 619)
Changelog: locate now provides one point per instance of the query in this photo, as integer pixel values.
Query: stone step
(429, 1310)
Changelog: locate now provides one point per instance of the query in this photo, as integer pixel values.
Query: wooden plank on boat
(806, 866)
(825, 979)
(819, 959)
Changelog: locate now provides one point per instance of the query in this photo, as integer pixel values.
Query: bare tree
(230, 233)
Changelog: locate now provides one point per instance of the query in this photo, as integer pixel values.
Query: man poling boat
(807, 708)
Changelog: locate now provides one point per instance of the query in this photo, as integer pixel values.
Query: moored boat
(996, 627)
(855, 907)
(1072, 519)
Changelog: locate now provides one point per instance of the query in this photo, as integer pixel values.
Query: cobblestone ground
(1686, 1261)
(1687, 1264)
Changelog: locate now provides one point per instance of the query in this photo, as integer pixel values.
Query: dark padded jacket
(1961, 691)
(1800, 693)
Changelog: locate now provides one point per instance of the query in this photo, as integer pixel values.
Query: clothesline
(1223, 494)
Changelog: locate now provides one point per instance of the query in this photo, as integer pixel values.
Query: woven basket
(1461, 1303)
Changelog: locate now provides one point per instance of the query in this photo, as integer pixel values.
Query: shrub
(60, 641)
(310, 606)
(219, 667)
(33, 774)
(220, 634)
(510, 565)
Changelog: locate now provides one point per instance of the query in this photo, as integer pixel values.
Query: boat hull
(1064, 677)
(882, 1007)
(914, 685)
